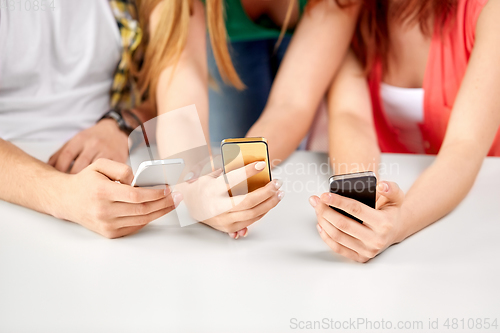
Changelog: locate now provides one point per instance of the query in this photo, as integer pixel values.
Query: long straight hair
(371, 41)
(164, 49)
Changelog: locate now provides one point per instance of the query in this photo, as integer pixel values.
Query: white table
(56, 276)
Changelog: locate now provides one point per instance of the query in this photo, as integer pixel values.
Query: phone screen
(358, 186)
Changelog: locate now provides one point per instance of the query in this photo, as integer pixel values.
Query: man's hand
(101, 199)
(103, 140)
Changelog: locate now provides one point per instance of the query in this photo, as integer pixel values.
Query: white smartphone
(159, 172)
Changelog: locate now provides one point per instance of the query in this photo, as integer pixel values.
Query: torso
(56, 69)
(408, 60)
(401, 91)
(275, 9)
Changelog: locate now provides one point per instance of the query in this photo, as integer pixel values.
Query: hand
(253, 208)
(95, 200)
(208, 201)
(103, 140)
(360, 242)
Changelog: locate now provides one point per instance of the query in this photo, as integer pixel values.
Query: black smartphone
(358, 186)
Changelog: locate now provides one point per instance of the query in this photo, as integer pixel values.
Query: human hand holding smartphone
(258, 190)
(355, 228)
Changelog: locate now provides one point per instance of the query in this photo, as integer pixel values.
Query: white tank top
(56, 68)
(404, 109)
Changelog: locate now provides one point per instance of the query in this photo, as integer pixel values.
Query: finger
(114, 170)
(239, 234)
(342, 238)
(240, 175)
(68, 155)
(53, 159)
(391, 192)
(83, 160)
(122, 232)
(243, 232)
(258, 196)
(339, 248)
(123, 209)
(134, 221)
(345, 224)
(244, 224)
(259, 209)
(137, 195)
(215, 174)
(350, 206)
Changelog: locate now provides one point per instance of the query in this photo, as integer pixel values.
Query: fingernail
(281, 195)
(166, 191)
(260, 165)
(246, 233)
(383, 187)
(319, 228)
(232, 235)
(313, 201)
(326, 196)
(243, 233)
(237, 236)
(177, 198)
(189, 176)
(278, 183)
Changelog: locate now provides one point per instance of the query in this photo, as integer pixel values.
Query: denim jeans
(233, 112)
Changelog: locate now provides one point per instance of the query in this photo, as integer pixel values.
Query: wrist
(57, 192)
(406, 218)
(112, 126)
(122, 119)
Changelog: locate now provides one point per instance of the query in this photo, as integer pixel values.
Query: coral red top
(448, 59)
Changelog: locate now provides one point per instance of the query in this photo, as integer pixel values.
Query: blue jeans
(233, 112)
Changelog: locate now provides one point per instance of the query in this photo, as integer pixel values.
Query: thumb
(390, 193)
(238, 176)
(113, 170)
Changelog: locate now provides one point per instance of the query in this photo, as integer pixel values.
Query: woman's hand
(250, 210)
(208, 200)
(94, 199)
(360, 242)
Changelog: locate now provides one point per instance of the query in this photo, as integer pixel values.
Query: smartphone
(236, 153)
(358, 186)
(158, 172)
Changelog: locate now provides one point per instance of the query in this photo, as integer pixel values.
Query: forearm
(188, 85)
(27, 181)
(313, 57)
(284, 127)
(440, 188)
(353, 145)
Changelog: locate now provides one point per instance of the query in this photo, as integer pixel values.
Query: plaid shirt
(124, 93)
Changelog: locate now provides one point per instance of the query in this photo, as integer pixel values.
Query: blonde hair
(164, 49)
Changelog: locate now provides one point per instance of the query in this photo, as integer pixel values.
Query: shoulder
(471, 11)
(196, 7)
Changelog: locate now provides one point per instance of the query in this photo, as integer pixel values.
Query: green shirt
(241, 28)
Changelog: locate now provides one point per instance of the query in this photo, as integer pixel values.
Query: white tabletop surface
(56, 276)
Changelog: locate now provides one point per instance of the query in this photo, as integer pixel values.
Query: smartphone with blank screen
(158, 172)
(236, 153)
(358, 186)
